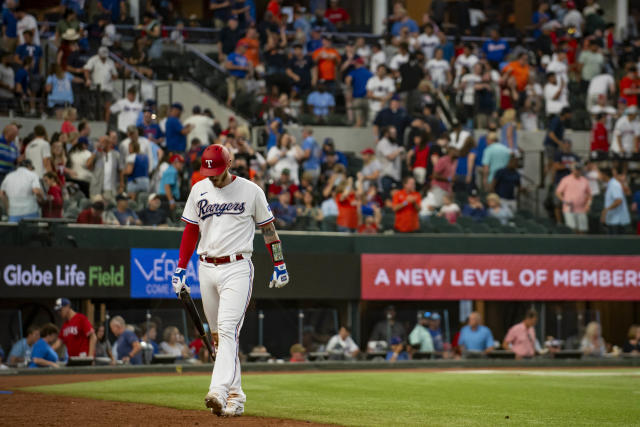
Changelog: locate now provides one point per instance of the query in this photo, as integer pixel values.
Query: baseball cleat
(216, 403)
(233, 409)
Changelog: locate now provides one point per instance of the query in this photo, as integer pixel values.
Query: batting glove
(280, 276)
(178, 281)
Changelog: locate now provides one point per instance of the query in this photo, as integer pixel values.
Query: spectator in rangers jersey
(76, 334)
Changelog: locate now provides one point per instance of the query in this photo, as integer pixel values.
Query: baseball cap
(215, 160)
(395, 97)
(359, 61)
(435, 316)
(61, 302)
(426, 314)
(286, 171)
(196, 109)
(121, 196)
(328, 141)
(571, 4)
(176, 157)
(99, 205)
(177, 105)
(473, 193)
(367, 151)
(396, 340)
(151, 197)
(103, 52)
(147, 110)
(26, 163)
(631, 110)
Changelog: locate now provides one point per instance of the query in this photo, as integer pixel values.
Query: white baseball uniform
(227, 218)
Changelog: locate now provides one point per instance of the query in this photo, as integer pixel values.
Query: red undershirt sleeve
(188, 244)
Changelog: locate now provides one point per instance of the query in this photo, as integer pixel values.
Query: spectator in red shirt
(284, 184)
(93, 214)
(347, 220)
(406, 205)
(599, 134)
(52, 205)
(76, 333)
(337, 15)
(418, 157)
(630, 86)
(274, 8)
(69, 116)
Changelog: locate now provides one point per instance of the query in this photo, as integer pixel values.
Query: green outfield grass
(604, 397)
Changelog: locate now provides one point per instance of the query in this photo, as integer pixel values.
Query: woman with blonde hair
(509, 129)
(592, 343)
(173, 344)
(496, 210)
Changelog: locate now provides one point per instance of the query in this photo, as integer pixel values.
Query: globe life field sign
(48, 273)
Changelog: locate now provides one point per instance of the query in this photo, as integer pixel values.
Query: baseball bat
(190, 307)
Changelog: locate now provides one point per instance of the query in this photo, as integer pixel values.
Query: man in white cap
(99, 73)
(626, 132)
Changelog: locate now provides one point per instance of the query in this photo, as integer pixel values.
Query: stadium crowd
(424, 90)
(52, 346)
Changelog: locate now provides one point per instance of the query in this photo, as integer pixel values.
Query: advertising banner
(500, 277)
(151, 271)
(55, 272)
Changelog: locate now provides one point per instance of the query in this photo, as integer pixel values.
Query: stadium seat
(329, 223)
(506, 229)
(450, 229)
(388, 219)
(465, 221)
(534, 228)
(479, 228)
(438, 221)
(492, 222)
(133, 205)
(524, 214)
(425, 226)
(561, 229)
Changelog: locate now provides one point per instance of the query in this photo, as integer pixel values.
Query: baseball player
(224, 209)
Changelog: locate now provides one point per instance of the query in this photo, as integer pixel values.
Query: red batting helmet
(215, 160)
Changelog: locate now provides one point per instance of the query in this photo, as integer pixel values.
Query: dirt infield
(38, 409)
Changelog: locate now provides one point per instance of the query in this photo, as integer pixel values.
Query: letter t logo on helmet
(215, 160)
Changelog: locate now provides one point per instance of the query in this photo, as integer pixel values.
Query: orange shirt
(253, 50)
(328, 60)
(520, 73)
(347, 212)
(407, 217)
(196, 177)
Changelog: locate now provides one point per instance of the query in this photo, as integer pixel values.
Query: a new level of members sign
(500, 277)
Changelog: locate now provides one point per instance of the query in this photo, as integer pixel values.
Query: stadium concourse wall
(131, 267)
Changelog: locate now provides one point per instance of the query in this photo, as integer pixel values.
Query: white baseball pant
(226, 291)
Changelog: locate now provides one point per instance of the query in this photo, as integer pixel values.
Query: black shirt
(398, 119)
(567, 159)
(149, 217)
(302, 68)
(411, 73)
(229, 39)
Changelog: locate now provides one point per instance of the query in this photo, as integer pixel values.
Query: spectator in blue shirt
(357, 79)
(495, 49)
(59, 88)
(42, 354)
(238, 66)
(436, 332)
(127, 345)
(10, 26)
(615, 214)
(636, 207)
(170, 181)
(475, 337)
(28, 49)
(150, 128)
(315, 42)
(403, 22)
(448, 49)
(284, 212)
(311, 154)
(506, 184)
(21, 350)
(330, 155)
(555, 135)
(8, 150)
(397, 351)
(115, 8)
(176, 133)
(123, 214)
(21, 86)
(321, 101)
(474, 208)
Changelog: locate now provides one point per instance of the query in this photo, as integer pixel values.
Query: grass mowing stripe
(396, 398)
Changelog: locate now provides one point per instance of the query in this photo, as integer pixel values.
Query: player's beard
(220, 180)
